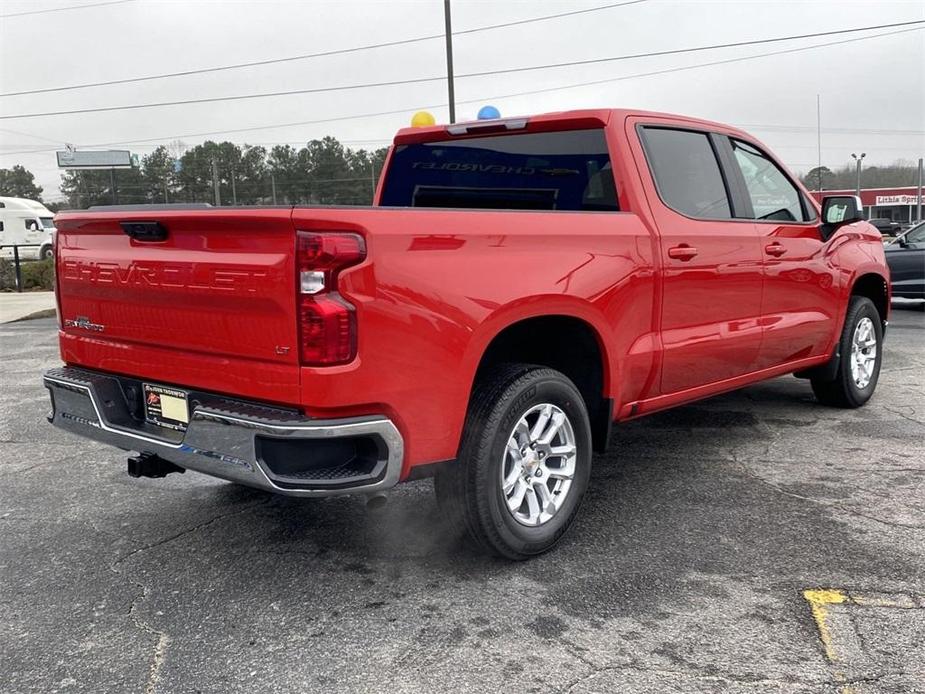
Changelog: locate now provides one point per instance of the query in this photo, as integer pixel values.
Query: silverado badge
(83, 323)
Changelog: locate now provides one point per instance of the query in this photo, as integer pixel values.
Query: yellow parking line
(821, 599)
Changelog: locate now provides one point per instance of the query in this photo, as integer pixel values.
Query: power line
(511, 95)
(691, 67)
(317, 90)
(37, 137)
(65, 9)
(307, 56)
(849, 131)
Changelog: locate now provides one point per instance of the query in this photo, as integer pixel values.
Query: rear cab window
(565, 171)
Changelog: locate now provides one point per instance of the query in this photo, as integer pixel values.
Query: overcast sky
(872, 91)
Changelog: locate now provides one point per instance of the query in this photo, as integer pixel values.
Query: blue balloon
(488, 112)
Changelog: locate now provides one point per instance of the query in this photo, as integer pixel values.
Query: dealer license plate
(166, 407)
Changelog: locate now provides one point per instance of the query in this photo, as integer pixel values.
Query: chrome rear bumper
(232, 439)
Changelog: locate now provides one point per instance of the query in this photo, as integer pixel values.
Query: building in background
(898, 204)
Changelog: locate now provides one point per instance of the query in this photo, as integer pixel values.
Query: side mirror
(838, 210)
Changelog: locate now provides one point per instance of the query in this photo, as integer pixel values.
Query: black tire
(469, 491)
(842, 391)
(46, 252)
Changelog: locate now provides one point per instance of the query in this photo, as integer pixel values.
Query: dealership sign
(897, 200)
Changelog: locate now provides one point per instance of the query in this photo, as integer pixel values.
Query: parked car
(906, 257)
(518, 287)
(886, 226)
(26, 223)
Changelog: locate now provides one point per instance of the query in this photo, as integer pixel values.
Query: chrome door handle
(682, 252)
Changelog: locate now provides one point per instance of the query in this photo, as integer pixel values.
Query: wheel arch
(875, 287)
(569, 343)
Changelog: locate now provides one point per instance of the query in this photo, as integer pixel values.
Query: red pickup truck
(518, 286)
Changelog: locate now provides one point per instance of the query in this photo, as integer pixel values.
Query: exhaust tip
(376, 502)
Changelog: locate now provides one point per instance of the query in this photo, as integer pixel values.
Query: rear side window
(687, 172)
(569, 171)
(772, 194)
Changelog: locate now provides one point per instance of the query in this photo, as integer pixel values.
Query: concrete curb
(44, 313)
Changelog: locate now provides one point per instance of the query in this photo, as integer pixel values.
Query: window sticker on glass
(773, 196)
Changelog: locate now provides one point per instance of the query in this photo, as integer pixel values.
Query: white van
(26, 222)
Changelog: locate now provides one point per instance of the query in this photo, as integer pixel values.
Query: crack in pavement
(903, 415)
(774, 437)
(5, 471)
(5, 516)
(159, 655)
(825, 502)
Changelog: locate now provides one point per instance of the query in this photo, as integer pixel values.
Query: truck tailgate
(214, 298)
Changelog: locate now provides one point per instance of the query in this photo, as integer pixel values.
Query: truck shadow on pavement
(678, 495)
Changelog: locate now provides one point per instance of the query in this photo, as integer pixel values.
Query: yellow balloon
(422, 119)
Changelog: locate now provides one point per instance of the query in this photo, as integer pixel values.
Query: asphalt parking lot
(752, 542)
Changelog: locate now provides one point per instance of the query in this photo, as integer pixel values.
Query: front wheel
(524, 462)
(861, 350)
(46, 252)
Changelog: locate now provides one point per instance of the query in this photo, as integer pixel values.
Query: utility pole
(112, 186)
(234, 192)
(372, 177)
(918, 211)
(819, 139)
(218, 193)
(165, 192)
(857, 187)
(273, 187)
(449, 60)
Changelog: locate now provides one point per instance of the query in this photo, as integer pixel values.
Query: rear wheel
(861, 353)
(524, 462)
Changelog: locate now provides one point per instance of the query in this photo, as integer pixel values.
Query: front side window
(916, 234)
(687, 172)
(568, 170)
(772, 194)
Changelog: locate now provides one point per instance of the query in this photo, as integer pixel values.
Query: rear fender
(542, 306)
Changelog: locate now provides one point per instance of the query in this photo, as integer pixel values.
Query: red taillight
(328, 252)
(327, 322)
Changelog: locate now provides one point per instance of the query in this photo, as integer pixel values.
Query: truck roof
(579, 118)
(23, 204)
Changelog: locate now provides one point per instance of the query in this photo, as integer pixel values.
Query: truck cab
(26, 223)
